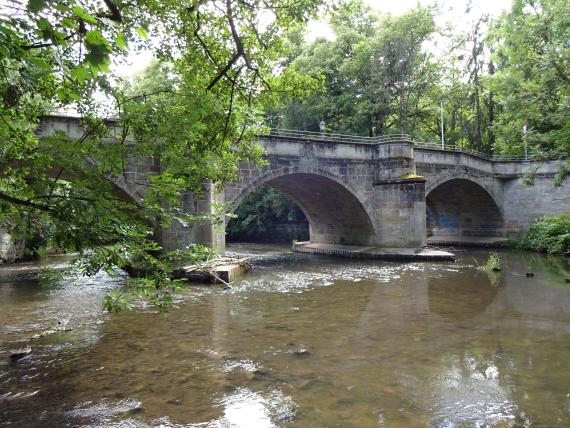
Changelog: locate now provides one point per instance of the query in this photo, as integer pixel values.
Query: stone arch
(432, 184)
(127, 191)
(462, 205)
(335, 211)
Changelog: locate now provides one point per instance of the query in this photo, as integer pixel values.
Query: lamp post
(322, 126)
(441, 122)
(525, 130)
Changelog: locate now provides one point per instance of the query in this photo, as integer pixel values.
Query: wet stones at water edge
(301, 352)
(18, 354)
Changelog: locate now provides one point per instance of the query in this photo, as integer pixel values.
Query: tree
(221, 58)
(532, 80)
(469, 103)
(378, 75)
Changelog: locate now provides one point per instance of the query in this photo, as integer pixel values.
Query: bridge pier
(205, 232)
(399, 197)
(11, 249)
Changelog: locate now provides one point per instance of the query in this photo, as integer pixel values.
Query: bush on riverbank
(547, 234)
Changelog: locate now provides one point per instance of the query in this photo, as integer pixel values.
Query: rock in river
(18, 354)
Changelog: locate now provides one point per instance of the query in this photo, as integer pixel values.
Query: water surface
(304, 341)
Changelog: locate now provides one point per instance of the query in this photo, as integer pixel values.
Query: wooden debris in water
(219, 270)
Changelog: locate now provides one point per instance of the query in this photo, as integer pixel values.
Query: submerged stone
(18, 354)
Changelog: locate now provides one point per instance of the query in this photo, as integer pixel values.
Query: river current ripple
(303, 341)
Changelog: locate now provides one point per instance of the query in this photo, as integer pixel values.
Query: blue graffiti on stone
(448, 222)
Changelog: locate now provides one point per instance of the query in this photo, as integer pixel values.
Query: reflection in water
(246, 409)
(303, 341)
(461, 295)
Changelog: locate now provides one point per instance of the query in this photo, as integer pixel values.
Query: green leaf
(81, 13)
(142, 32)
(81, 73)
(45, 26)
(35, 6)
(98, 50)
(121, 41)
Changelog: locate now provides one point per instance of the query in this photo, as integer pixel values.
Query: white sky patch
(451, 8)
(265, 18)
(135, 63)
(460, 13)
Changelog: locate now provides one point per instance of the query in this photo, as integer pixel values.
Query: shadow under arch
(334, 212)
(462, 207)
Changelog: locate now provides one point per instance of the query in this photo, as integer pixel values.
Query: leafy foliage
(196, 118)
(532, 81)
(493, 263)
(548, 234)
(376, 74)
(380, 76)
(261, 213)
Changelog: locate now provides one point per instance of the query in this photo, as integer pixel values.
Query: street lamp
(525, 130)
(441, 122)
(322, 125)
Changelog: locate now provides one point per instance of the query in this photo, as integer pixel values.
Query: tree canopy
(198, 117)
(385, 74)
(375, 73)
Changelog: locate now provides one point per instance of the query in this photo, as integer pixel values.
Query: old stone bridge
(392, 193)
(383, 192)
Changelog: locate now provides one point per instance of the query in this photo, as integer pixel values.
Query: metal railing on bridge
(398, 138)
(456, 149)
(340, 138)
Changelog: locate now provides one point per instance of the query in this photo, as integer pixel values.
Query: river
(303, 341)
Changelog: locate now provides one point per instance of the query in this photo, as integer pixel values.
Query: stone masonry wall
(524, 204)
(10, 250)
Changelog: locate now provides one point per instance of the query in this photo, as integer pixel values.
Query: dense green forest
(227, 70)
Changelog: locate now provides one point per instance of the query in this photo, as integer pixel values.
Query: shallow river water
(303, 341)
